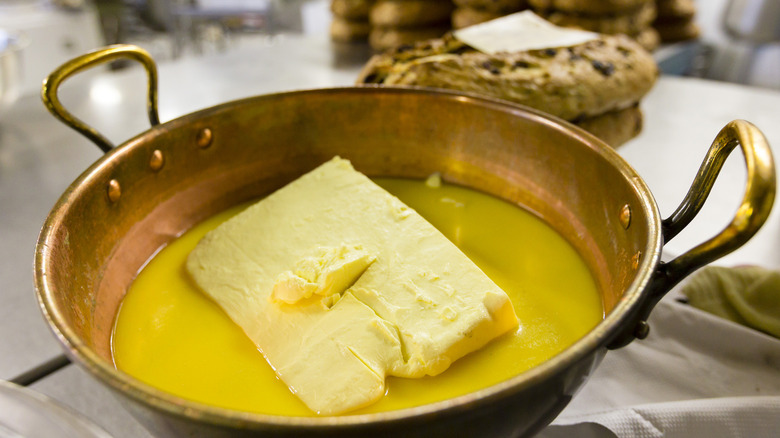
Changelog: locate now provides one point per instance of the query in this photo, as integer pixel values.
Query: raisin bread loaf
(614, 127)
(589, 7)
(575, 83)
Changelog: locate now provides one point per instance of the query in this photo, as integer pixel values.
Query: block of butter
(339, 285)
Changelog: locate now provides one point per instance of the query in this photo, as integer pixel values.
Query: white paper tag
(519, 32)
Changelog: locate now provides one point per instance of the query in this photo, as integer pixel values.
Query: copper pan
(145, 192)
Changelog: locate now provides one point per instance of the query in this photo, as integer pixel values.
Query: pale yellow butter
(330, 271)
(339, 285)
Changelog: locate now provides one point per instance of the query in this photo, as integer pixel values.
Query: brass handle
(107, 54)
(752, 212)
(750, 216)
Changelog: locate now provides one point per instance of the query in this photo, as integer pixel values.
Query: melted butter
(173, 337)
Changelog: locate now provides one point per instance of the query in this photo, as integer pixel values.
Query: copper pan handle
(750, 216)
(752, 212)
(52, 83)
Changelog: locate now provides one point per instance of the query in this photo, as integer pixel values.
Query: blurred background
(725, 40)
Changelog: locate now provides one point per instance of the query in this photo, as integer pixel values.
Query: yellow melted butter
(170, 335)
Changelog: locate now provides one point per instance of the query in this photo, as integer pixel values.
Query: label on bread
(519, 32)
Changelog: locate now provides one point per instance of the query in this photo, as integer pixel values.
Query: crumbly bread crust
(676, 8)
(574, 83)
(384, 38)
(674, 30)
(590, 7)
(630, 23)
(344, 30)
(496, 6)
(615, 127)
(465, 16)
(649, 38)
(410, 13)
(351, 9)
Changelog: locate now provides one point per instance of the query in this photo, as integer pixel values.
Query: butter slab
(339, 285)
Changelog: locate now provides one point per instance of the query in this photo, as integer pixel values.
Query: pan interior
(95, 243)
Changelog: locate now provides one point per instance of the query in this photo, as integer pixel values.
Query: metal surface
(25, 413)
(40, 157)
(51, 86)
(11, 47)
(578, 184)
(751, 214)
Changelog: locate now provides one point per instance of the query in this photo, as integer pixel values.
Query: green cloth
(748, 295)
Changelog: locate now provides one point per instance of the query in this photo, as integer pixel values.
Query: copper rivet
(635, 260)
(641, 330)
(157, 160)
(204, 138)
(114, 191)
(625, 216)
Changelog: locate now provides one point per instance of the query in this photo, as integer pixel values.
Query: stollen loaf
(609, 73)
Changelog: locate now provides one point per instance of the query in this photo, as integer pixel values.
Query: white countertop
(39, 158)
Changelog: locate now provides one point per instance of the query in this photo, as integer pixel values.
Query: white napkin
(696, 375)
(748, 417)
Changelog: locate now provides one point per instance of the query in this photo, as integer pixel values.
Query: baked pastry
(351, 9)
(607, 74)
(675, 21)
(495, 6)
(590, 7)
(410, 13)
(343, 30)
(384, 38)
(465, 16)
(614, 127)
(649, 38)
(672, 30)
(681, 9)
(630, 23)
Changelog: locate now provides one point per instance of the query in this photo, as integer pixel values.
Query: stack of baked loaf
(676, 20)
(397, 22)
(470, 12)
(350, 20)
(597, 84)
(629, 17)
